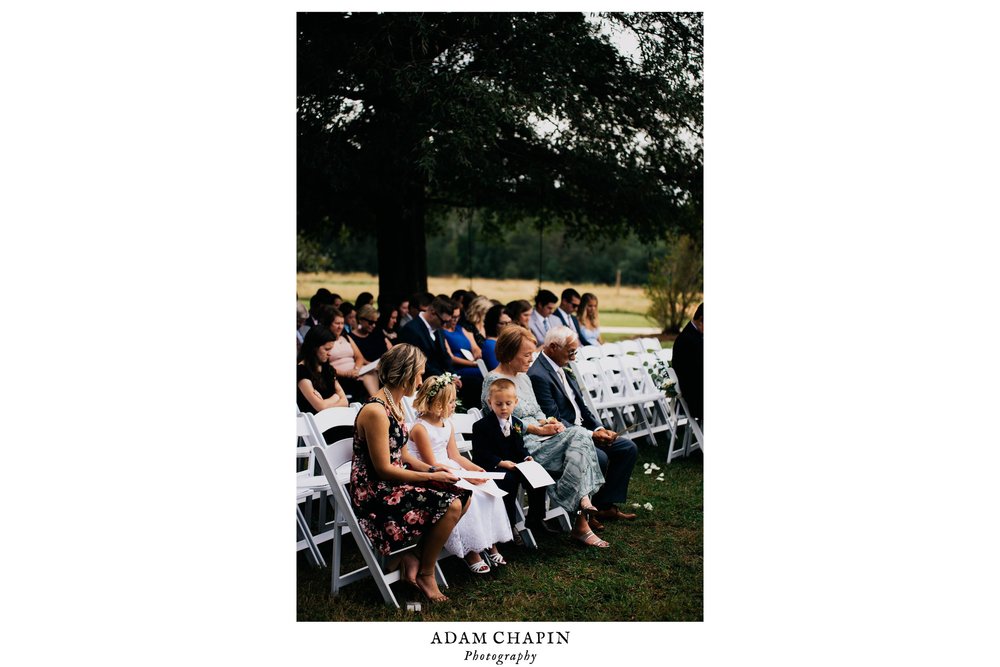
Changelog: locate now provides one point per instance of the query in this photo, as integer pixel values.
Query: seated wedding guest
(367, 336)
(301, 315)
(688, 362)
(424, 332)
(566, 312)
(541, 318)
(498, 443)
(519, 312)
(363, 300)
(561, 397)
(474, 314)
(495, 320)
(350, 315)
(335, 300)
(419, 302)
(402, 314)
(567, 451)
(388, 319)
(460, 296)
(320, 298)
(459, 339)
(346, 358)
(588, 317)
(397, 503)
(432, 440)
(316, 381)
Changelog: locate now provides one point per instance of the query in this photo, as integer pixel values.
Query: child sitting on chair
(498, 444)
(432, 440)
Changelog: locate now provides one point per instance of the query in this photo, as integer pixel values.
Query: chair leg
(315, 557)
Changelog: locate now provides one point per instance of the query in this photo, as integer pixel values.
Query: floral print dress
(393, 514)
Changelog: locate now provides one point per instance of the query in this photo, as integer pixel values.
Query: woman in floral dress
(396, 504)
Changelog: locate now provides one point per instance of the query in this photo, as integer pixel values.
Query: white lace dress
(485, 524)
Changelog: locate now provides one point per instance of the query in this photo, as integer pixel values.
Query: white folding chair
(693, 437)
(611, 350)
(463, 427)
(664, 354)
(651, 401)
(622, 399)
(338, 457)
(630, 346)
(304, 493)
(317, 484)
(650, 344)
(589, 352)
(597, 395)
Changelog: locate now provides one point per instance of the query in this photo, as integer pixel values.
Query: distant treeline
(512, 252)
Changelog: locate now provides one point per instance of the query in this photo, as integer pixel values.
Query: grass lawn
(652, 571)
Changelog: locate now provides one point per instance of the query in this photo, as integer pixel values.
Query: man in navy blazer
(566, 312)
(424, 332)
(498, 442)
(559, 396)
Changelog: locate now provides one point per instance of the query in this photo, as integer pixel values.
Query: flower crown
(440, 381)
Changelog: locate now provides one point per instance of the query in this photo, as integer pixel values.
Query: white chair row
(621, 391)
(633, 346)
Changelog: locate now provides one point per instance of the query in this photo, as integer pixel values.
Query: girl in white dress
(432, 440)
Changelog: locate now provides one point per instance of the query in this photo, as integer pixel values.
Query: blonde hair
(502, 384)
(398, 367)
(581, 311)
(435, 394)
(476, 311)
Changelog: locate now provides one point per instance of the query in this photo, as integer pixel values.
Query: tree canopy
(591, 122)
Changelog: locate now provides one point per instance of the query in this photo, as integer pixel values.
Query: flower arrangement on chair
(658, 371)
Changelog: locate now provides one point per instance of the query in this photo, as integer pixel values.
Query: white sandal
(479, 567)
(495, 558)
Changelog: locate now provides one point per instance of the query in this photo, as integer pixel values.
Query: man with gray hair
(560, 396)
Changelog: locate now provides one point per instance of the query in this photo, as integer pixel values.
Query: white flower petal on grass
(654, 466)
(649, 471)
(648, 506)
(636, 505)
(645, 465)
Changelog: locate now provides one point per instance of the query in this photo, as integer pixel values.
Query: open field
(349, 285)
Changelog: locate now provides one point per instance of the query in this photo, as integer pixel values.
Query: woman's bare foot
(408, 567)
(429, 587)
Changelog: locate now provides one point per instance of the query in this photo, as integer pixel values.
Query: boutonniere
(569, 372)
(517, 427)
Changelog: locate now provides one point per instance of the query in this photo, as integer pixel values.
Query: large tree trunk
(401, 243)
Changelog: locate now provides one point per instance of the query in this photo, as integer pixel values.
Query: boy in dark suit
(498, 446)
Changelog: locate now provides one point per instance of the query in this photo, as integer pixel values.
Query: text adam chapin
(501, 637)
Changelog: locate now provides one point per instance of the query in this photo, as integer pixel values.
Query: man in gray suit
(560, 396)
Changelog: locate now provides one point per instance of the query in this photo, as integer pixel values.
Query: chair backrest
(409, 414)
(589, 352)
(331, 417)
(665, 354)
(630, 346)
(463, 427)
(650, 344)
(611, 349)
